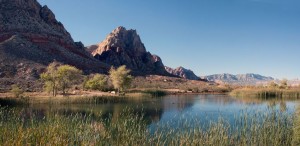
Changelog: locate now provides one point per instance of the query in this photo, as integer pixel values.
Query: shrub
(120, 78)
(97, 82)
(16, 91)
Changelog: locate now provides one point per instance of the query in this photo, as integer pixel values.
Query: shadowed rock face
(182, 72)
(29, 18)
(31, 38)
(124, 47)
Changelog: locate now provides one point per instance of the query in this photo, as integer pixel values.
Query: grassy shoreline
(271, 128)
(266, 92)
(90, 97)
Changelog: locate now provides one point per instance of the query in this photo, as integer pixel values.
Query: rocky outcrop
(31, 38)
(182, 72)
(240, 79)
(124, 47)
(91, 48)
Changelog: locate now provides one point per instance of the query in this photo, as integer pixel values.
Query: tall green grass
(20, 127)
(63, 100)
(266, 93)
(296, 138)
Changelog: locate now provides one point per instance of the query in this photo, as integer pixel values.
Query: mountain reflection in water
(172, 108)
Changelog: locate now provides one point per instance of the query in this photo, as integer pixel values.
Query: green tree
(16, 91)
(120, 78)
(60, 77)
(97, 82)
(50, 78)
(68, 76)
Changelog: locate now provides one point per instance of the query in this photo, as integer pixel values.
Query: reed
(266, 92)
(9, 101)
(128, 128)
(296, 137)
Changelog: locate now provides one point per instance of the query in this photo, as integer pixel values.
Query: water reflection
(172, 108)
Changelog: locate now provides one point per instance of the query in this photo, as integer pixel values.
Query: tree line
(60, 78)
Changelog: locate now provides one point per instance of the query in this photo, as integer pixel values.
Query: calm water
(173, 109)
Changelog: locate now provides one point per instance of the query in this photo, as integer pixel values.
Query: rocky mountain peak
(182, 68)
(120, 29)
(182, 72)
(124, 47)
(24, 4)
(47, 15)
(122, 39)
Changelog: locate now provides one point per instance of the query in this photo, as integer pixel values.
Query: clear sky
(207, 36)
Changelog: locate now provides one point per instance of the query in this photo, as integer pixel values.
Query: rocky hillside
(240, 79)
(31, 38)
(182, 72)
(173, 84)
(124, 47)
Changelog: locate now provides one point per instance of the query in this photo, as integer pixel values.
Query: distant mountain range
(240, 79)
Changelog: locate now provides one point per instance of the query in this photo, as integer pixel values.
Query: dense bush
(60, 78)
(97, 82)
(16, 91)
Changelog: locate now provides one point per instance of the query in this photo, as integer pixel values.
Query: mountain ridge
(240, 79)
(183, 73)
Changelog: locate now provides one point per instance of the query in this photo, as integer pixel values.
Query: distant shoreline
(87, 97)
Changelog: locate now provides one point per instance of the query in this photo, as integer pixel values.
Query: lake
(171, 120)
(172, 109)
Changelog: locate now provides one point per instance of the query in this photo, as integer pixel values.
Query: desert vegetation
(272, 90)
(16, 91)
(120, 78)
(61, 78)
(180, 85)
(96, 82)
(66, 80)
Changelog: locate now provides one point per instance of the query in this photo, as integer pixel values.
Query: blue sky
(207, 36)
